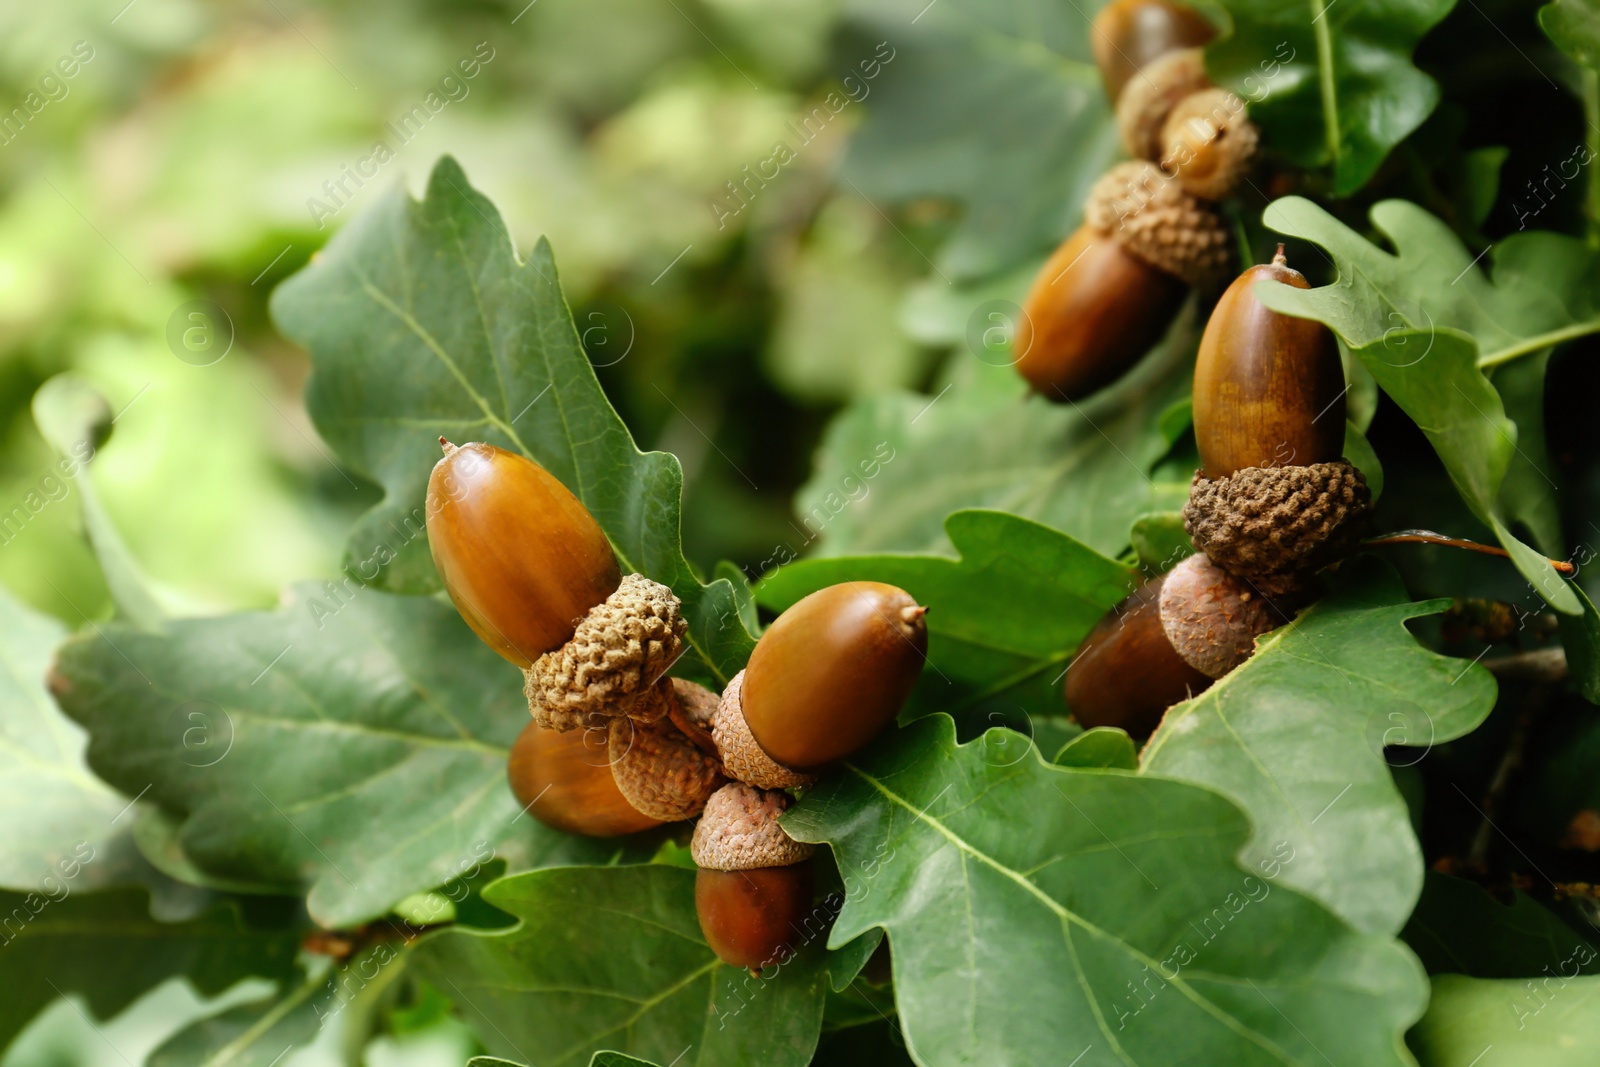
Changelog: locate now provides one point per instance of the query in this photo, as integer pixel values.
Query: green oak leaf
(1295, 736)
(1477, 1022)
(1331, 83)
(351, 743)
(422, 322)
(1102, 748)
(76, 420)
(1039, 914)
(600, 1059)
(893, 466)
(1427, 322)
(106, 948)
(930, 128)
(72, 816)
(1574, 25)
(1460, 929)
(1002, 620)
(613, 958)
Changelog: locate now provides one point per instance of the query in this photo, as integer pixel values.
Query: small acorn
(754, 888)
(565, 781)
(1127, 35)
(1109, 293)
(1126, 673)
(1268, 388)
(1148, 99)
(832, 672)
(521, 557)
(1209, 142)
(1167, 642)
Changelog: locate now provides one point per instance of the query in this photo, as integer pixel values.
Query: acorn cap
(739, 831)
(1151, 94)
(619, 649)
(1275, 526)
(741, 756)
(1213, 618)
(1209, 142)
(1149, 213)
(661, 773)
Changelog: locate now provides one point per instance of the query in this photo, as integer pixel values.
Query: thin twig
(1547, 666)
(1428, 537)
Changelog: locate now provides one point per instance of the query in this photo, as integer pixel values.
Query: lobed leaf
(422, 322)
(1295, 736)
(613, 958)
(1039, 914)
(351, 743)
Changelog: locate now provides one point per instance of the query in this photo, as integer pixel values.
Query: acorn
(1126, 673)
(753, 891)
(521, 557)
(1109, 293)
(1148, 99)
(1274, 500)
(1268, 387)
(1209, 142)
(1127, 35)
(1167, 642)
(565, 781)
(831, 672)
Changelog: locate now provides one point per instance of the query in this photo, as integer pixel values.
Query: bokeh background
(188, 159)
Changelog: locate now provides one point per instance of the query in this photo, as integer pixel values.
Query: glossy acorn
(753, 918)
(832, 672)
(1127, 34)
(565, 780)
(1268, 388)
(1092, 312)
(1127, 672)
(521, 557)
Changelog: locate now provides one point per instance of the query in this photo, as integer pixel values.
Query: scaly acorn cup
(566, 781)
(1127, 35)
(827, 676)
(1273, 501)
(657, 768)
(521, 557)
(1109, 293)
(754, 888)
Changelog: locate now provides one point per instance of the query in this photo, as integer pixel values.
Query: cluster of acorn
(1272, 504)
(1151, 228)
(616, 746)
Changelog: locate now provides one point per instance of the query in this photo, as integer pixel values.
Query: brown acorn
(1209, 142)
(1268, 388)
(1092, 311)
(1110, 291)
(832, 672)
(1126, 672)
(1126, 35)
(521, 557)
(565, 781)
(754, 888)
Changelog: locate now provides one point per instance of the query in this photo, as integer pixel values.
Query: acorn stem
(1428, 537)
(446, 446)
(1278, 258)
